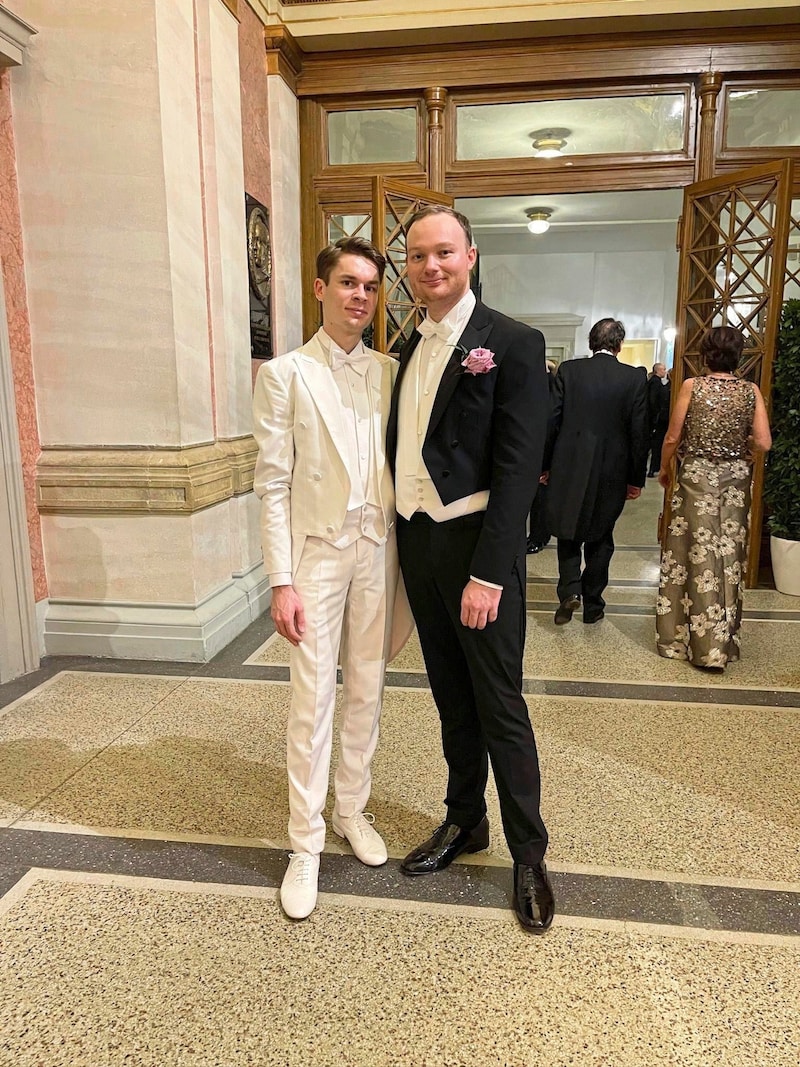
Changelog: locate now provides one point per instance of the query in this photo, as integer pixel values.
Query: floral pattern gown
(699, 608)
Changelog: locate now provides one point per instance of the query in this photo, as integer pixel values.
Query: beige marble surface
(626, 784)
(55, 731)
(622, 648)
(164, 983)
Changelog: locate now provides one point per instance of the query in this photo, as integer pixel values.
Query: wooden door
(734, 235)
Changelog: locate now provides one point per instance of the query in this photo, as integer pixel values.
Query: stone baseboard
(171, 632)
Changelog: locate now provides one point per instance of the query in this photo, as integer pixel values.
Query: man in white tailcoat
(327, 524)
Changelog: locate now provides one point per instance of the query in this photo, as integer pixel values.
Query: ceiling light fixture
(549, 143)
(539, 219)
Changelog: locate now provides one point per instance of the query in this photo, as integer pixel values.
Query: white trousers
(344, 596)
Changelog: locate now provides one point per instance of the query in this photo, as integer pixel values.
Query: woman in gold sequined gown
(719, 421)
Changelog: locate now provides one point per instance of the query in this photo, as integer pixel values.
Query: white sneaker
(299, 886)
(366, 843)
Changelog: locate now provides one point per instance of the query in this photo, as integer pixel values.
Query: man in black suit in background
(597, 459)
(466, 435)
(658, 397)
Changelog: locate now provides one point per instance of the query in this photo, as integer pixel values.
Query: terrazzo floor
(143, 837)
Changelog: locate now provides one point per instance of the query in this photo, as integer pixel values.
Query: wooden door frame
(782, 171)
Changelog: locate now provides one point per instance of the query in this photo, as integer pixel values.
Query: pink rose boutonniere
(479, 361)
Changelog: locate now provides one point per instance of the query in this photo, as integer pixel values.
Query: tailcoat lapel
(475, 333)
(315, 371)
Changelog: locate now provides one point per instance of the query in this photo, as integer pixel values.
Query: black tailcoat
(598, 444)
(486, 432)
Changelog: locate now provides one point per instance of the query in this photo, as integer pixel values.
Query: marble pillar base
(173, 632)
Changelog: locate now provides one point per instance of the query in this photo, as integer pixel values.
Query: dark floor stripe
(229, 664)
(586, 895)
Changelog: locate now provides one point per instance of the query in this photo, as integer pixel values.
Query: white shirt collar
(357, 358)
(459, 315)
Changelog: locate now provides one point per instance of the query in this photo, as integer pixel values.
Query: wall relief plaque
(259, 267)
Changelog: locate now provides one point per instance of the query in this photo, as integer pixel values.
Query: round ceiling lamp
(549, 143)
(539, 219)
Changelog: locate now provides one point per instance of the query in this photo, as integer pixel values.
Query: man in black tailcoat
(466, 435)
(658, 398)
(597, 459)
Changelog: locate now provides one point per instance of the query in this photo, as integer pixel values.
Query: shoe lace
(301, 867)
(363, 821)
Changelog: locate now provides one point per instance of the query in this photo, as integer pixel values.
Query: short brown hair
(348, 246)
(722, 348)
(607, 333)
(442, 209)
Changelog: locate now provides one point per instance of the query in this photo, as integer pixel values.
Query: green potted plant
(782, 480)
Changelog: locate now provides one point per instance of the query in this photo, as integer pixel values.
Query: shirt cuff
(480, 581)
(280, 578)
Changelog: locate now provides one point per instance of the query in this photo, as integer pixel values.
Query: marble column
(129, 151)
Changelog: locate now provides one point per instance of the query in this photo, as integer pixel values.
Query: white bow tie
(434, 329)
(357, 359)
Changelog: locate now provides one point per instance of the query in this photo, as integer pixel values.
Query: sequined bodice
(720, 419)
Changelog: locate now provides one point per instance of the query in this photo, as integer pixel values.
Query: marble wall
(255, 112)
(13, 268)
(284, 133)
(128, 129)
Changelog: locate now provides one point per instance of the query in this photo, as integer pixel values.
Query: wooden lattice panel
(734, 270)
(394, 204)
(730, 270)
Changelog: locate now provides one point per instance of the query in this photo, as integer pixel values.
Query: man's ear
(319, 288)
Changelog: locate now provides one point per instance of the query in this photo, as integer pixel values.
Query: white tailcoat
(301, 473)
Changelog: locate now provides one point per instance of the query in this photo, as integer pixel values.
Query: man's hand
(633, 493)
(544, 478)
(479, 604)
(287, 613)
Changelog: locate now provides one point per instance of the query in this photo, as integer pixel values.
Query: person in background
(466, 434)
(327, 524)
(597, 459)
(658, 399)
(719, 422)
(538, 528)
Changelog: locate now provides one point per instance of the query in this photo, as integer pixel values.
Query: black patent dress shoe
(534, 904)
(565, 609)
(445, 843)
(593, 617)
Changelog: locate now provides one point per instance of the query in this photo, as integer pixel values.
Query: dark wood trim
(554, 61)
(436, 103)
(313, 222)
(596, 90)
(709, 85)
(283, 55)
(357, 188)
(233, 7)
(606, 174)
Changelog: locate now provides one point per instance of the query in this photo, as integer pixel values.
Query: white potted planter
(785, 565)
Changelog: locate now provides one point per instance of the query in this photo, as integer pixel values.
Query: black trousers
(592, 581)
(539, 527)
(476, 680)
(656, 442)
